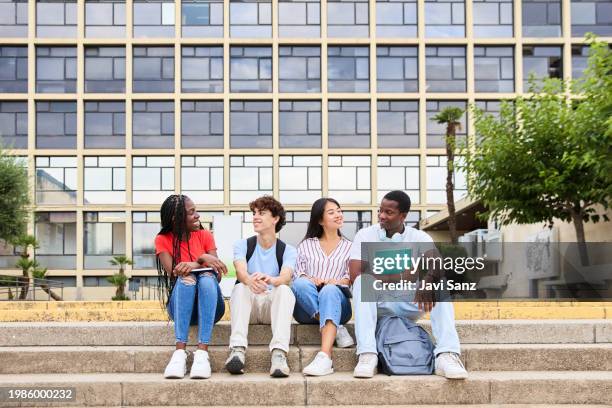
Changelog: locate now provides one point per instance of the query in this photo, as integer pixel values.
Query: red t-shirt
(200, 242)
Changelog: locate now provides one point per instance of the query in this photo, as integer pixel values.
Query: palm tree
(25, 263)
(40, 273)
(450, 116)
(119, 279)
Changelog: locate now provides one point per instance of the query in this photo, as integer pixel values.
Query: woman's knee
(330, 292)
(207, 282)
(301, 284)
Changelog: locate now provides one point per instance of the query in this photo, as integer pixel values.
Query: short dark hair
(401, 198)
(271, 204)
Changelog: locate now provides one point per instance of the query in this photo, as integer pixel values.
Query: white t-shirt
(421, 240)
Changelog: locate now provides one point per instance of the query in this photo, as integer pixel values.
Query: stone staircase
(550, 362)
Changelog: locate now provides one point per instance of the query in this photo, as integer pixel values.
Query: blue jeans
(211, 307)
(330, 303)
(442, 318)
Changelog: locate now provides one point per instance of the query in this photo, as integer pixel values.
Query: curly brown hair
(271, 204)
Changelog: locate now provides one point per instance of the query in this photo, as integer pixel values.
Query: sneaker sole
(345, 345)
(450, 376)
(278, 373)
(331, 371)
(199, 377)
(235, 366)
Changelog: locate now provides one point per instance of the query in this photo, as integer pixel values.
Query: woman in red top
(182, 247)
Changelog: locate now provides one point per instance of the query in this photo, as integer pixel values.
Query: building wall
(205, 99)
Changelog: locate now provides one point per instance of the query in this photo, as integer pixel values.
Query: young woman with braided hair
(182, 246)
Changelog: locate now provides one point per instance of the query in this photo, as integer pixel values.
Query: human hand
(257, 283)
(185, 268)
(215, 263)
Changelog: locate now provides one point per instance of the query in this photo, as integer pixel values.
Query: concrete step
(515, 387)
(153, 359)
(161, 333)
(67, 311)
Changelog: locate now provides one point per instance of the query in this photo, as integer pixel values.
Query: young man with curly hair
(264, 268)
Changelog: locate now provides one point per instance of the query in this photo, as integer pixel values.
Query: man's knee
(283, 291)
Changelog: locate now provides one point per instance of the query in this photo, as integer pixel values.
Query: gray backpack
(404, 347)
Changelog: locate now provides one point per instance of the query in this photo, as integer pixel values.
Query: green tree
(450, 116)
(40, 273)
(24, 242)
(119, 279)
(548, 155)
(14, 198)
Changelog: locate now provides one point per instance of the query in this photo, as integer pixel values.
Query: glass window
(105, 18)
(56, 236)
(202, 69)
(300, 123)
(436, 133)
(153, 18)
(145, 226)
(104, 178)
(56, 125)
(9, 256)
(398, 124)
(251, 69)
(56, 69)
(103, 238)
(398, 173)
(250, 18)
(56, 18)
(541, 62)
(295, 227)
(105, 69)
(436, 180)
(299, 179)
(153, 125)
(396, 19)
(299, 69)
(349, 124)
(593, 16)
(541, 18)
(349, 179)
(445, 69)
(251, 124)
(397, 69)
(250, 177)
(13, 69)
(56, 180)
(299, 18)
(104, 125)
(444, 18)
(348, 69)
(202, 18)
(202, 178)
(493, 18)
(14, 21)
(348, 18)
(494, 69)
(14, 124)
(153, 69)
(152, 179)
(201, 124)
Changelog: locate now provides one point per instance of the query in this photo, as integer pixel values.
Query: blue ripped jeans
(330, 303)
(206, 292)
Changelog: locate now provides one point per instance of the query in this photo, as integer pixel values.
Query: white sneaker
(236, 360)
(343, 338)
(449, 365)
(321, 365)
(367, 365)
(177, 367)
(201, 365)
(278, 364)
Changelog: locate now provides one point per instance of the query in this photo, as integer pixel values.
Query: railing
(12, 287)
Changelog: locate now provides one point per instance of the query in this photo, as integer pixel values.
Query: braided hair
(173, 221)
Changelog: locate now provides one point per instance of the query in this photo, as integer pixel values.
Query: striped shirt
(312, 261)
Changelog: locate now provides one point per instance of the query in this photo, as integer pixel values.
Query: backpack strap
(251, 243)
(280, 251)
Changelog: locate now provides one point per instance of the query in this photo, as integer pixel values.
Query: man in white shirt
(392, 214)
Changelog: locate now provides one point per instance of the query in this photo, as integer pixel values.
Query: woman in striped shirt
(321, 282)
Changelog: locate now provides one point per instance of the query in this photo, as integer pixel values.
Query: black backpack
(280, 251)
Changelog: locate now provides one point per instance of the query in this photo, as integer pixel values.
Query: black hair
(315, 230)
(173, 221)
(401, 198)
